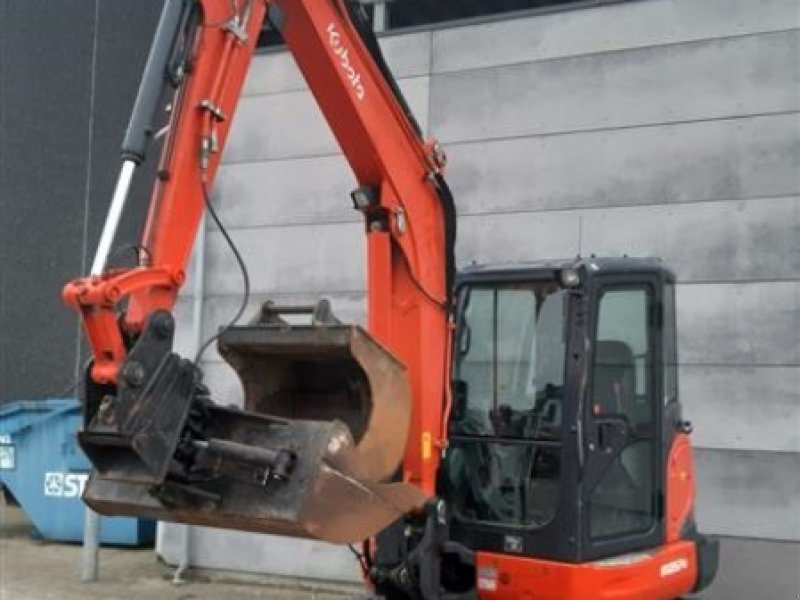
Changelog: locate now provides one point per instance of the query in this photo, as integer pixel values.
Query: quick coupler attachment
(322, 431)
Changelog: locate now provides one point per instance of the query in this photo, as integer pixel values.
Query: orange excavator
(507, 431)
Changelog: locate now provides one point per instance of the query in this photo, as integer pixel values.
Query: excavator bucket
(312, 454)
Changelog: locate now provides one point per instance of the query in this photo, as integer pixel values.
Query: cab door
(621, 482)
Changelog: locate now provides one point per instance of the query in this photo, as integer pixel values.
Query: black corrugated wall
(69, 70)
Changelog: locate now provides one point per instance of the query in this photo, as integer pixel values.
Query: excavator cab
(568, 469)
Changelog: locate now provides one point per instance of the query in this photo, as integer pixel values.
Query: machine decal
(674, 567)
(487, 579)
(64, 485)
(335, 41)
(8, 455)
(513, 543)
(427, 445)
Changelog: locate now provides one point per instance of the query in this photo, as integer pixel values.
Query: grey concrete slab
(290, 125)
(222, 381)
(750, 569)
(664, 84)
(68, 76)
(289, 259)
(747, 408)
(517, 237)
(756, 569)
(408, 55)
(746, 493)
(184, 334)
(187, 289)
(606, 28)
(280, 192)
(711, 241)
(717, 160)
(256, 553)
(744, 324)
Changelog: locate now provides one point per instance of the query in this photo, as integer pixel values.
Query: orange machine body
(662, 573)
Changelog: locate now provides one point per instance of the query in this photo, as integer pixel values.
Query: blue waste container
(44, 469)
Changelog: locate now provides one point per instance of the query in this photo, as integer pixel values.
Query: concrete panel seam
(482, 141)
(642, 125)
(304, 223)
(736, 365)
(210, 227)
(742, 449)
(554, 59)
(745, 451)
(607, 207)
(295, 90)
(353, 292)
(276, 294)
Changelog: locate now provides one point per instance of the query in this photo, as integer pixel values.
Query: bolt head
(163, 325)
(134, 373)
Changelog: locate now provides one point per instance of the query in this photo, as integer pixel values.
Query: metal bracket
(237, 30)
(215, 110)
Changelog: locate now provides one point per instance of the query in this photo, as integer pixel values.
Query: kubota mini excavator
(505, 432)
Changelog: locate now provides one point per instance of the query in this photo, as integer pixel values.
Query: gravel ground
(36, 570)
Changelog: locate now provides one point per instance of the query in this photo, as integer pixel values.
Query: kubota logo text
(335, 41)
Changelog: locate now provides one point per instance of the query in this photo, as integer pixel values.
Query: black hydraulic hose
(174, 18)
(450, 231)
(242, 267)
(370, 40)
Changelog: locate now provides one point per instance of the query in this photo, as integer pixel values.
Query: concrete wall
(68, 77)
(659, 127)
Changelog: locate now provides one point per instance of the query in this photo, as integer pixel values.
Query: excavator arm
(340, 428)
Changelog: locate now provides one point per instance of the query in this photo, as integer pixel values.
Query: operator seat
(614, 378)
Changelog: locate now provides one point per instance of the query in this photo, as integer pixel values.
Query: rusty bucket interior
(314, 452)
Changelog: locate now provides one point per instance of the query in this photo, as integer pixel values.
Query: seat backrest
(614, 376)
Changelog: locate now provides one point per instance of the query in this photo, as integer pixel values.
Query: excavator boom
(321, 448)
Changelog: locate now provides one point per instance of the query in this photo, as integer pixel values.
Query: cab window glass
(509, 360)
(504, 460)
(622, 355)
(622, 502)
(670, 345)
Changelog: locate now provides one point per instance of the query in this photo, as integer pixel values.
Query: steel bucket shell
(334, 396)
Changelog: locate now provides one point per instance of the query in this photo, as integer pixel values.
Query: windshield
(509, 361)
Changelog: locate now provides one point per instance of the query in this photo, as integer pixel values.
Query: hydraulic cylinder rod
(113, 218)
